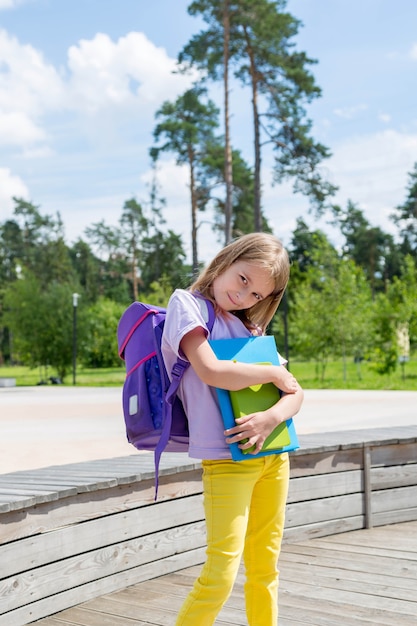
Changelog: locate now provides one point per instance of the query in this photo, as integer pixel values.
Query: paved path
(42, 426)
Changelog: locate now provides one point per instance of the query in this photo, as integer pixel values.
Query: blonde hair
(263, 250)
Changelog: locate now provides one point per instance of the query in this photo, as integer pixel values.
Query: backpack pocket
(143, 404)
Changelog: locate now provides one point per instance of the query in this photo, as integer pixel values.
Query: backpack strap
(177, 372)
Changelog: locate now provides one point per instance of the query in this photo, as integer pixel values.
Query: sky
(81, 81)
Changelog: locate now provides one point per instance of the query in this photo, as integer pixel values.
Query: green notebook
(259, 398)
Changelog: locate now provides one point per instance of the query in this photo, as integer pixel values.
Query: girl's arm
(231, 375)
(257, 426)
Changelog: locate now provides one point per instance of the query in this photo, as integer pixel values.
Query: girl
(244, 501)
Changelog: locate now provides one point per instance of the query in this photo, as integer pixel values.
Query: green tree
(353, 310)
(369, 246)
(186, 127)
(330, 314)
(163, 256)
(309, 248)
(257, 39)
(11, 251)
(99, 347)
(405, 215)
(133, 223)
(281, 86)
(35, 243)
(40, 243)
(312, 323)
(159, 292)
(113, 260)
(242, 190)
(401, 295)
(392, 312)
(41, 321)
(210, 51)
(137, 252)
(88, 268)
(383, 353)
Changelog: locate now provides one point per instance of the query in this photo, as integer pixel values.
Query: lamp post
(285, 319)
(75, 297)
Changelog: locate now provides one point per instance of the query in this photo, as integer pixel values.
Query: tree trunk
(228, 171)
(134, 269)
(257, 140)
(193, 215)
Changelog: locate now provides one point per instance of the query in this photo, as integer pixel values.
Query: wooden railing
(74, 532)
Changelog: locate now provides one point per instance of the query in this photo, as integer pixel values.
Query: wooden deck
(87, 542)
(356, 578)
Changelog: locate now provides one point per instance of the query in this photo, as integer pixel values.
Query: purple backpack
(154, 416)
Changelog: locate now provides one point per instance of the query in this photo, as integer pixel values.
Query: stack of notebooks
(234, 404)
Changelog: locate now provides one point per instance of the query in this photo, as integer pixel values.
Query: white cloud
(17, 129)
(27, 83)
(122, 80)
(10, 185)
(129, 72)
(10, 4)
(350, 112)
(413, 52)
(384, 117)
(29, 88)
(372, 171)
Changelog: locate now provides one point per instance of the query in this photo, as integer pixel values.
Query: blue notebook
(253, 350)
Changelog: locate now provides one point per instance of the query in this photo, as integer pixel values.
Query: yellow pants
(244, 504)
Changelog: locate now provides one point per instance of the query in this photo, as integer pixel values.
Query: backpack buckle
(178, 369)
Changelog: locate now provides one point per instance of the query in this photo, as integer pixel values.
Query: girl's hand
(286, 381)
(255, 428)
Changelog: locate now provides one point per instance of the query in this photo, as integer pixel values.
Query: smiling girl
(244, 502)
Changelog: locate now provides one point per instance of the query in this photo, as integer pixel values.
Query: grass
(358, 376)
(106, 377)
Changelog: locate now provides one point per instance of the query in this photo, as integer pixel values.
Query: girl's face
(241, 286)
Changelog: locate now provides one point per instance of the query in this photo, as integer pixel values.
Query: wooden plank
(33, 494)
(323, 529)
(69, 541)
(57, 577)
(339, 507)
(309, 609)
(340, 577)
(62, 491)
(91, 505)
(325, 485)
(398, 454)
(402, 540)
(89, 617)
(330, 556)
(53, 621)
(343, 548)
(393, 476)
(94, 475)
(325, 462)
(356, 599)
(50, 605)
(395, 517)
(394, 499)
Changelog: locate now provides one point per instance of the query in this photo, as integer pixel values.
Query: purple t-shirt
(184, 313)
